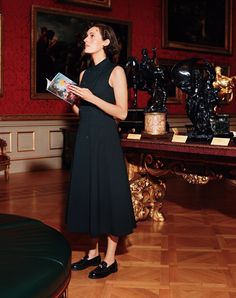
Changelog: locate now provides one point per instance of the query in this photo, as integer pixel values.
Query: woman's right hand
(83, 93)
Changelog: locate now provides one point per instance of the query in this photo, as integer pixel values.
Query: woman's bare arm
(119, 83)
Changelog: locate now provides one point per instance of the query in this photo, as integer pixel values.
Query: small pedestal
(155, 123)
(220, 125)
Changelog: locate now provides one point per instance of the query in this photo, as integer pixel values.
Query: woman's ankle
(109, 260)
(93, 254)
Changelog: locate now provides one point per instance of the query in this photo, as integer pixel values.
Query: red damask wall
(16, 50)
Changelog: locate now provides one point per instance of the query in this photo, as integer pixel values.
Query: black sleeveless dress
(99, 199)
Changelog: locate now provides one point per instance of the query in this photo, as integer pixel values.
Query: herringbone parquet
(191, 255)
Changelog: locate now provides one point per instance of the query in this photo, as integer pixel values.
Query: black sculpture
(195, 77)
(147, 76)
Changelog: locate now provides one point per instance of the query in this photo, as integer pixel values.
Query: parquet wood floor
(191, 255)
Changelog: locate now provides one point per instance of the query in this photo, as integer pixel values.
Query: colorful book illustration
(58, 86)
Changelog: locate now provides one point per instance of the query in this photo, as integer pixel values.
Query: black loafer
(85, 263)
(103, 270)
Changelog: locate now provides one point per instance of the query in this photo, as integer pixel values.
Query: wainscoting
(35, 142)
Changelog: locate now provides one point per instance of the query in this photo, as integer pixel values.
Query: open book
(58, 87)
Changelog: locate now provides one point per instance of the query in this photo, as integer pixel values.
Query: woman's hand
(118, 82)
(84, 93)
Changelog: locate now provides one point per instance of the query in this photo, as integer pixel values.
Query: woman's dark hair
(112, 50)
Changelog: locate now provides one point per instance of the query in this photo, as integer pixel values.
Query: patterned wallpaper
(16, 50)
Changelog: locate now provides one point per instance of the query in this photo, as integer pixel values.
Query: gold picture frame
(197, 26)
(90, 3)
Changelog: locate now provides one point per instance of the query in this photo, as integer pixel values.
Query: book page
(58, 87)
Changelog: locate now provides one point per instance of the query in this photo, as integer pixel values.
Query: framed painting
(90, 3)
(202, 26)
(56, 45)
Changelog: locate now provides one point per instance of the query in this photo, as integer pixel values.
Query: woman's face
(93, 42)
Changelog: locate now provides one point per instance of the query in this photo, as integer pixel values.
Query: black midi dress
(99, 200)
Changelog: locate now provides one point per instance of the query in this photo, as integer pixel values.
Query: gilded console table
(149, 160)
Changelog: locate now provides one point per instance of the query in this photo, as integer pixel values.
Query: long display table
(149, 160)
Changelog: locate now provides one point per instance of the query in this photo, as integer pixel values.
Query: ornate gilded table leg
(147, 192)
(146, 172)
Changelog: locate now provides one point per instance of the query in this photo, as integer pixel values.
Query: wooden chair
(4, 159)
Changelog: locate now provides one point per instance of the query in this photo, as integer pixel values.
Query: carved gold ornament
(146, 198)
(225, 84)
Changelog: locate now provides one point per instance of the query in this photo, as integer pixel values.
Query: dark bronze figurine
(195, 77)
(147, 76)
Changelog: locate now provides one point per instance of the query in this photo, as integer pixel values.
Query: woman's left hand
(84, 93)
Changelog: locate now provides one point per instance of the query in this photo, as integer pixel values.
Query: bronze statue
(147, 76)
(196, 78)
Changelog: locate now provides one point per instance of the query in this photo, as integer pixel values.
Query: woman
(99, 201)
